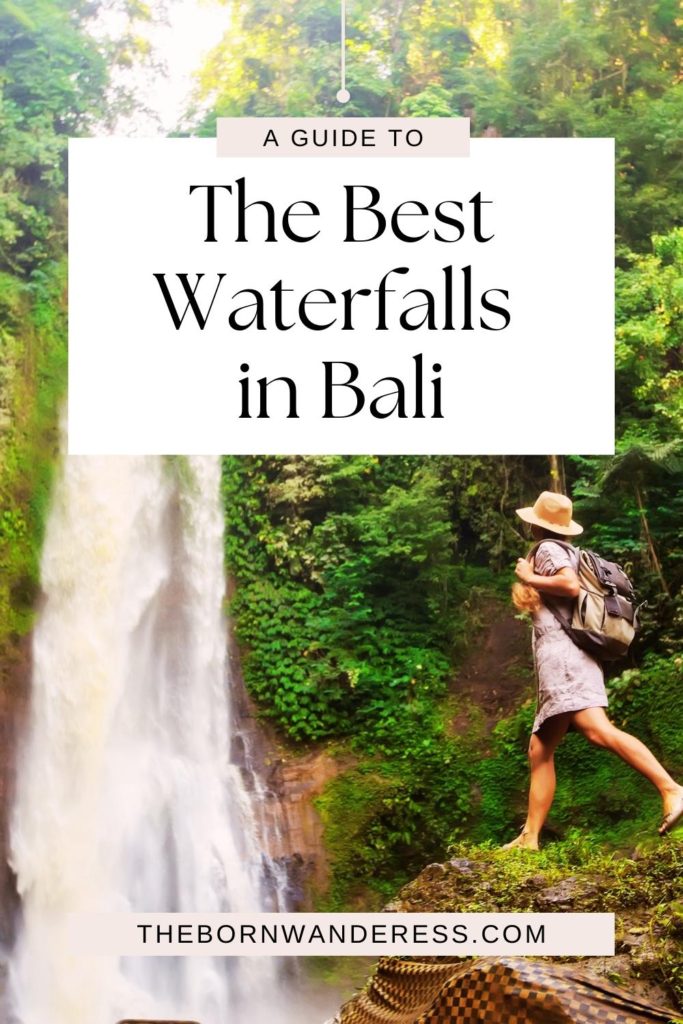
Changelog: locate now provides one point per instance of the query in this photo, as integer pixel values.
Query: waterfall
(129, 797)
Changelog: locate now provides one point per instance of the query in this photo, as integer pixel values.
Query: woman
(571, 688)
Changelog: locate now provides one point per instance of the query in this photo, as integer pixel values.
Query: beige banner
(343, 136)
(340, 934)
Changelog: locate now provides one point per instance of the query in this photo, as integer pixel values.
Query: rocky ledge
(644, 890)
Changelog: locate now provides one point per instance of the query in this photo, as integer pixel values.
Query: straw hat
(552, 512)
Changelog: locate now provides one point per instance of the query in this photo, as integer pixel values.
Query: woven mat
(492, 990)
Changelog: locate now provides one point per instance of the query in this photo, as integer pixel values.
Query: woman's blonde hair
(525, 598)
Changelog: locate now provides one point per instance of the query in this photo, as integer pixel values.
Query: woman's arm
(564, 583)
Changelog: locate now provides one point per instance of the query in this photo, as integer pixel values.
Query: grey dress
(568, 679)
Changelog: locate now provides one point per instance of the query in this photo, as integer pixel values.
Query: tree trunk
(557, 481)
(652, 550)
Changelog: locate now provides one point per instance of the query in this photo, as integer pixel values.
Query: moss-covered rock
(644, 891)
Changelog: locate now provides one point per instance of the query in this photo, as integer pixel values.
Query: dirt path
(498, 673)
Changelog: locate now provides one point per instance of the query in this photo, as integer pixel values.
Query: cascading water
(128, 798)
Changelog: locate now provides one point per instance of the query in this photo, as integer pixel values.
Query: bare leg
(542, 748)
(596, 727)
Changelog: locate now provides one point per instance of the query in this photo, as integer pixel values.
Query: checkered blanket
(492, 990)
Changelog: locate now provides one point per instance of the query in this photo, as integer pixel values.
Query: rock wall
(296, 782)
(15, 682)
(288, 785)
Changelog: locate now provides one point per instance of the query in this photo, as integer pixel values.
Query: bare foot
(673, 810)
(524, 841)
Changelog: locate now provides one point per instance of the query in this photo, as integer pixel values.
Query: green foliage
(633, 504)
(351, 606)
(347, 594)
(274, 626)
(651, 879)
(540, 69)
(54, 83)
(649, 292)
(649, 701)
(503, 778)
(34, 375)
(398, 809)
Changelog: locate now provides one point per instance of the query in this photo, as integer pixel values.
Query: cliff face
(287, 786)
(15, 677)
(296, 782)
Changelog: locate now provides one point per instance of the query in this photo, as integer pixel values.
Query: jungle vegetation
(361, 582)
(56, 81)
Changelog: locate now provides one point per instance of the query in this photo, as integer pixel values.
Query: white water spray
(128, 798)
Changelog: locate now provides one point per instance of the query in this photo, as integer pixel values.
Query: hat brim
(529, 516)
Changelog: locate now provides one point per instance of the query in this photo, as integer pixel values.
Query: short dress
(568, 679)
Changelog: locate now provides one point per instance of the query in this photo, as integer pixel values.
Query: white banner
(359, 934)
(430, 305)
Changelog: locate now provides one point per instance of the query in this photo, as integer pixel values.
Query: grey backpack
(603, 619)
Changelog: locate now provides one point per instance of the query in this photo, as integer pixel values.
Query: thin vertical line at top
(343, 44)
